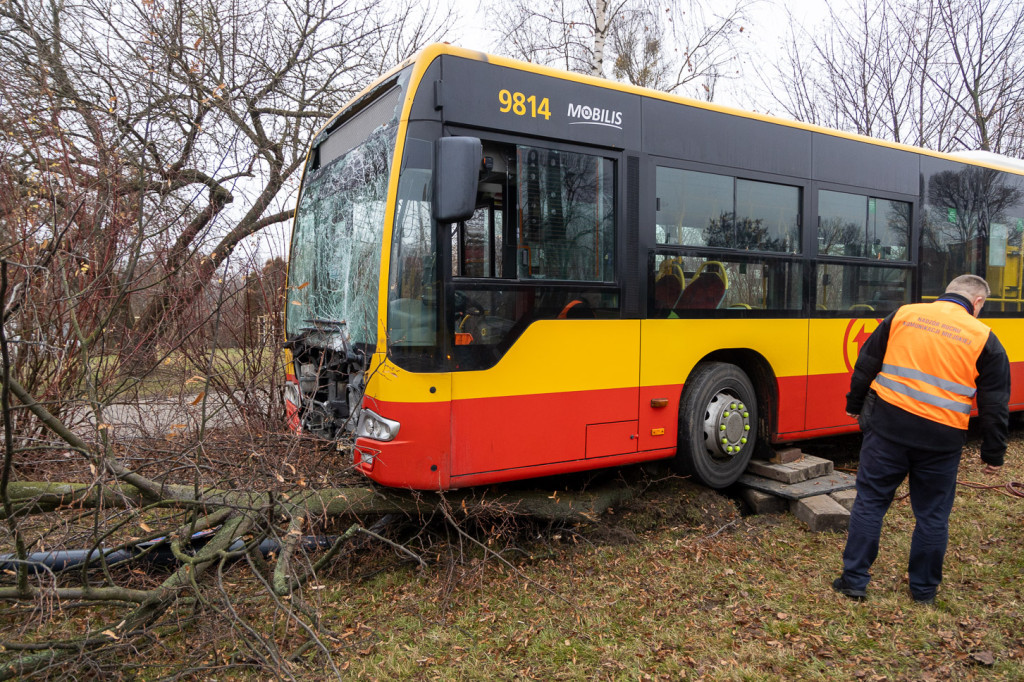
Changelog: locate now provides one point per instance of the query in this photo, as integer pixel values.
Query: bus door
(543, 369)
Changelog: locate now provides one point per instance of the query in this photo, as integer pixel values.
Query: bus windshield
(339, 222)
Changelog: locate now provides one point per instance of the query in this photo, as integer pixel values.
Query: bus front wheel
(717, 424)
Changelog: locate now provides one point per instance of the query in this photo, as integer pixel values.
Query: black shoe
(840, 586)
(924, 601)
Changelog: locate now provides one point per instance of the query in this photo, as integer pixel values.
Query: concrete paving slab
(844, 497)
(822, 485)
(821, 513)
(787, 455)
(763, 503)
(792, 472)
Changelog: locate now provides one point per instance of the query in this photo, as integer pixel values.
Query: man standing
(923, 364)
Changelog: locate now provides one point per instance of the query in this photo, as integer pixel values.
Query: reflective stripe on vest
(928, 398)
(950, 386)
(930, 364)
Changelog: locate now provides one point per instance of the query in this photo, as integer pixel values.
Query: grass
(677, 585)
(176, 374)
(751, 603)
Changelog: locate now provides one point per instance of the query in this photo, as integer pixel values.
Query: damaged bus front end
(335, 262)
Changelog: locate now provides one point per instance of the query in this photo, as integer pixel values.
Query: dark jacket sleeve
(993, 400)
(869, 364)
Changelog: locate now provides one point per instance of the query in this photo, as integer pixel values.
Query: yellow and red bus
(501, 271)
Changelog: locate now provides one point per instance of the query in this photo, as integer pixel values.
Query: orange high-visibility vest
(930, 364)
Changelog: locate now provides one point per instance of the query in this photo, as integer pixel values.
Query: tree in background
(186, 122)
(664, 47)
(947, 76)
(983, 78)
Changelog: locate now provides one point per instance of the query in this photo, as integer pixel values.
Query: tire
(717, 424)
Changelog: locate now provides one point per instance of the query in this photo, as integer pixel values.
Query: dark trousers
(883, 466)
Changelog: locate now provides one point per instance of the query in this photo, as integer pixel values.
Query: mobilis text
(595, 116)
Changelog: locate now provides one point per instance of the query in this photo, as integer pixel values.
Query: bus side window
(566, 215)
(477, 243)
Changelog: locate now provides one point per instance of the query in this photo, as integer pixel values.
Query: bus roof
(991, 159)
(431, 52)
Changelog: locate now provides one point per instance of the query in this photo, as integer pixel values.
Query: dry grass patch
(676, 585)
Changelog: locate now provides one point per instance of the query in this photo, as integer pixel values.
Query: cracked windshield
(339, 225)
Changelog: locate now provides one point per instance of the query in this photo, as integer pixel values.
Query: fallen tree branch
(117, 594)
(152, 606)
(400, 548)
(40, 497)
(282, 571)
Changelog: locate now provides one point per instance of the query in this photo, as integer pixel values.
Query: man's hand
(990, 469)
(851, 415)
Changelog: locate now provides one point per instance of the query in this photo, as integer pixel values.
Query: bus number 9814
(516, 103)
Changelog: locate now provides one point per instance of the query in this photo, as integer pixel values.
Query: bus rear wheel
(717, 424)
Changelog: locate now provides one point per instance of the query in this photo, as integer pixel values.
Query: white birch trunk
(600, 33)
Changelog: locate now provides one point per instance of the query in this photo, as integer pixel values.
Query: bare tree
(936, 74)
(638, 43)
(563, 34)
(651, 45)
(208, 105)
(851, 74)
(983, 78)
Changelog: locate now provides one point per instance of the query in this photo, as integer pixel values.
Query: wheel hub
(726, 426)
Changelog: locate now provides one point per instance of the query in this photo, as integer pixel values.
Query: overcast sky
(764, 34)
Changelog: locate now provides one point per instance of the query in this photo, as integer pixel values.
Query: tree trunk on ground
(35, 497)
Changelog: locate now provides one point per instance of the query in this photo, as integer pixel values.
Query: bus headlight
(372, 425)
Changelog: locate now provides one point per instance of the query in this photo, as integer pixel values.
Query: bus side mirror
(456, 171)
